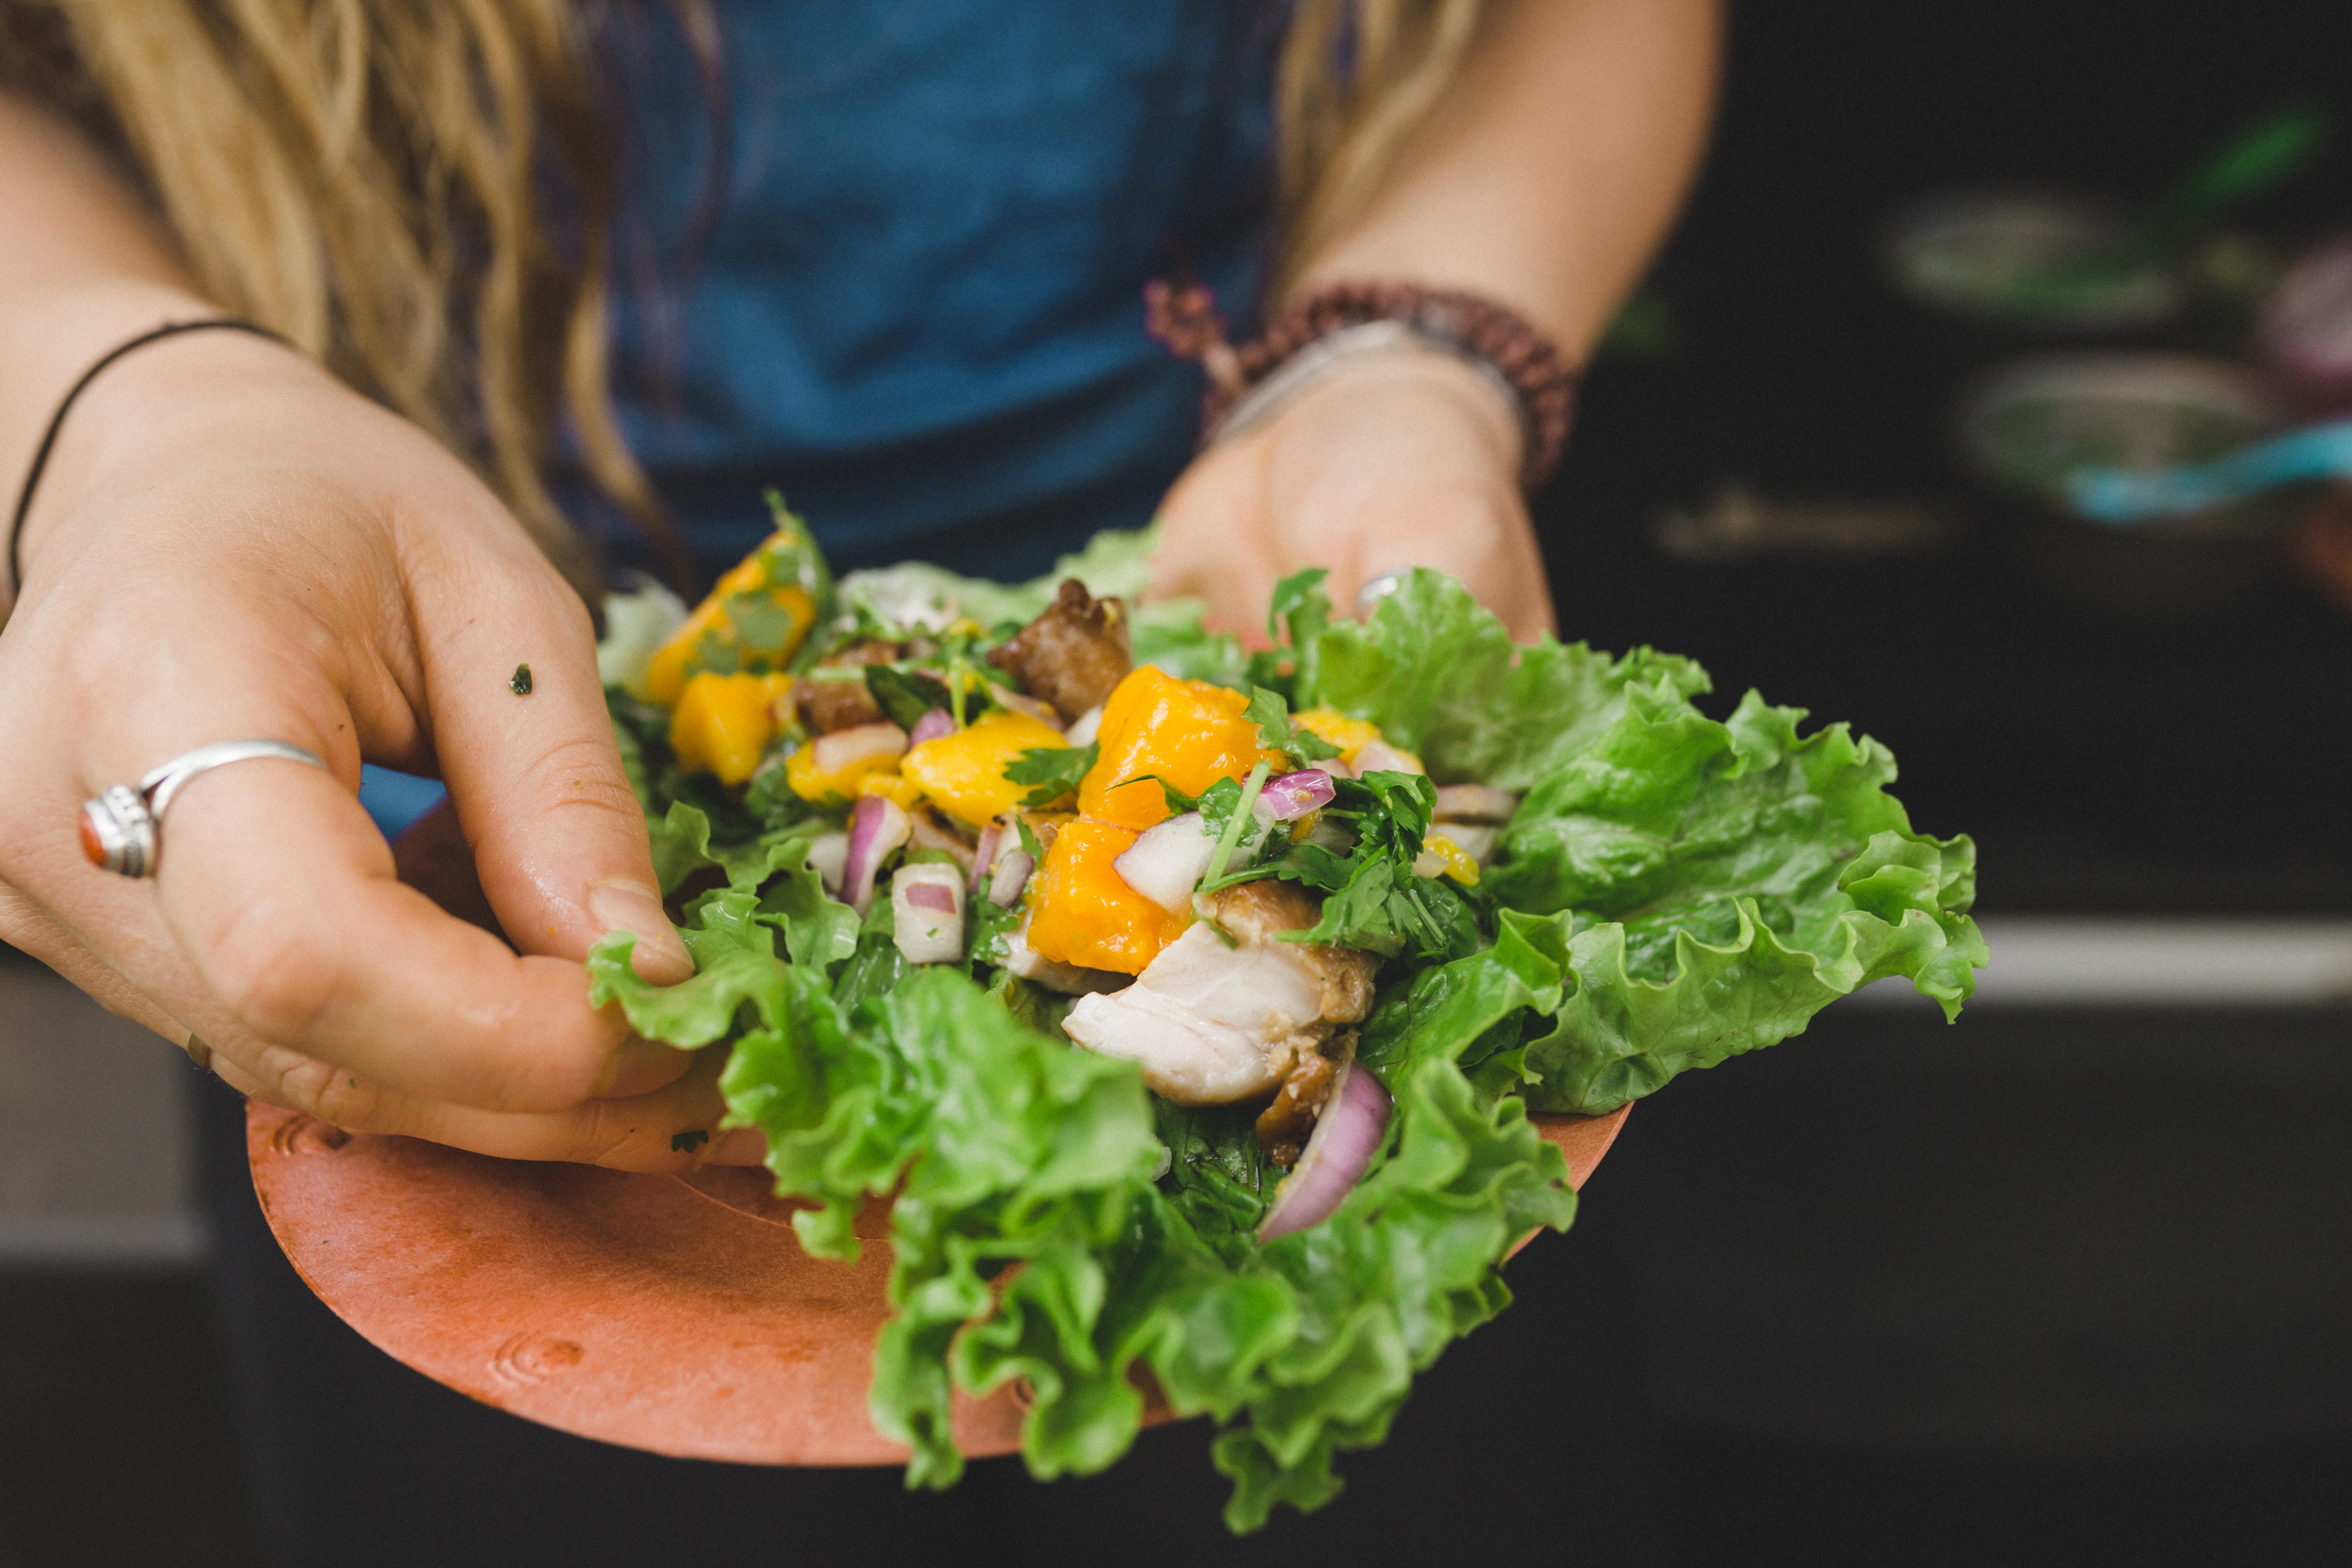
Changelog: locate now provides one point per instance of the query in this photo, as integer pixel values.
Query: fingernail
(744, 1146)
(660, 957)
(641, 1066)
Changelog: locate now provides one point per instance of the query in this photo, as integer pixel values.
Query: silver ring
(1379, 588)
(121, 829)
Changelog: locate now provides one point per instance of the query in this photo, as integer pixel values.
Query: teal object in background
(2120, 496)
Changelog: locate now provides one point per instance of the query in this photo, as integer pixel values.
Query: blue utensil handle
(2121, 496)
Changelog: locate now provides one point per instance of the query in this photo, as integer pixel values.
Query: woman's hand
(228, 543)
(1401, 459)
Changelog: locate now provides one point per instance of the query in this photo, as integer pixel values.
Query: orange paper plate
(677, 1314)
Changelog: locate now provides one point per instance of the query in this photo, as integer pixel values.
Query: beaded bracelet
(65, 404)
(1247, 383)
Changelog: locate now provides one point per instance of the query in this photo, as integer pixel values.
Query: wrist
(1437, 385)
(1382, 358)
(145, 406)
(1343, 321)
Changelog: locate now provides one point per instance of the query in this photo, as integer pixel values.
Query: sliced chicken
(1213, 1023)
(1069, 979)
(1073, 654)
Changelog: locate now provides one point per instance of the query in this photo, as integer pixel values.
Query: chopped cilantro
(716, 653)
(905, 695)
(519, 681)
(1271, 715)
(1216, 805)
(1179, 803)
(1055, 770)
(762, 626)
(1299, 610)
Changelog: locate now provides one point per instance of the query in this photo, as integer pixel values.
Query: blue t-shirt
(915, 304)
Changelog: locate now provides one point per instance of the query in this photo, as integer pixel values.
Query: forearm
(1550, 171)
(84, 266)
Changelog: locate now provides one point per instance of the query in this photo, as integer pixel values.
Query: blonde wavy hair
(421, 191)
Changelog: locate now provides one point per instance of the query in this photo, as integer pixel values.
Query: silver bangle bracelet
(1330, 351)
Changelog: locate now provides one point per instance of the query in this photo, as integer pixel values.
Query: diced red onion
(828, 854)
(930, 895)
(1168, 861)
(1378, 756)
(1012, 869)
(935, 723)
(1474, 803)
(983, 854)
(927, 913)
(1006, 698)
(845, 749)
(876, 827)
(1085, 727)
(1292, 795)
(1347, 1135)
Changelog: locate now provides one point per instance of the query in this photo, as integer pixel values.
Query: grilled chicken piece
(1211, 1024)
(1073, 654)
(842, 702)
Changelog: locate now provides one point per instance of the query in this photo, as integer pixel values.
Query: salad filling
(1191, 1003)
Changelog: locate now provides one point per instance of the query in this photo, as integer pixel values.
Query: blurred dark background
(2067, 1283)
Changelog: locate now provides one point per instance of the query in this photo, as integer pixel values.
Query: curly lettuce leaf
(1730, 880)
(817, 929)
(1004, 1147)
(736, 969)
(1726, 880)
(1440, 675)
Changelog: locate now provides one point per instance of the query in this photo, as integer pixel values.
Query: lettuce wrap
(1672, 890)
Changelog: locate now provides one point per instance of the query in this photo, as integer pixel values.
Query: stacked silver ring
(122, 827)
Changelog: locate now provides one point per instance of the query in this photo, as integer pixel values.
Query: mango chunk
(722, 723)
(1082, 912)
(1454, 861)
(963, 773)
(1188, 732)
(904, 792)
(870, 749)
(758, 622)
(1335, 728)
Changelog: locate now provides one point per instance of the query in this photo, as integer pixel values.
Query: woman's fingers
(526, 746)
(282, 897)
(674, 1128)
(1402, 461)
(1481, 538)
(1214, 543)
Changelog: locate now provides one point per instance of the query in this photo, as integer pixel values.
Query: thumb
(526, 747)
